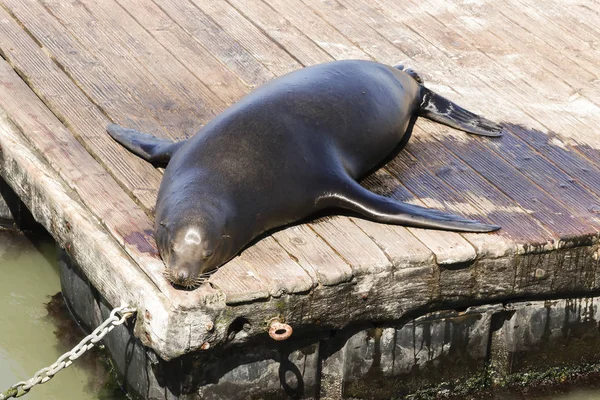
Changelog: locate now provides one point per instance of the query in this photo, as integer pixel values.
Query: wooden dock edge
(454, 351)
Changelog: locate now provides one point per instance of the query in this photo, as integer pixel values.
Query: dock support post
(14, 212)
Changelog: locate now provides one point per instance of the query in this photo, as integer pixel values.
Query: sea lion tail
(444, 111)
(148, 147)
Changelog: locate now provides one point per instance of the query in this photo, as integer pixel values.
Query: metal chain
(45, 374)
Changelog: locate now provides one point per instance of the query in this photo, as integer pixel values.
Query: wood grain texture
(281, 31)
(277, 59)
(70, 104)
(202, 28)
(169, 90)
(222, 82)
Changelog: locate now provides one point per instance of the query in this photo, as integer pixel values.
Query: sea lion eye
(206, 254)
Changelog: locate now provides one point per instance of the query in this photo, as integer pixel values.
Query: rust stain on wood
(143, 242)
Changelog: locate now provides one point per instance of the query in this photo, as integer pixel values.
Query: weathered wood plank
(402, 248)
(239, 282)
(197, 59)
(363, 255)
(320, 32)
(550, 177)
(516, 220)
(70, 104)
(262, 47)
(397, 14)
(570, 203)
(281, 31)
(320, 262)
(176, 98)
(549, 32)
(348, 23)
(203, 29)
(274, 265)
(568, 156)
(99, 74)
(559, 85)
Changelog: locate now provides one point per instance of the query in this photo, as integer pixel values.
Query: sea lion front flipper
(148, 147)
(442, 110)
(378, 208)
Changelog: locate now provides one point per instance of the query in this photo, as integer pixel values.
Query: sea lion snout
(188, 253)
(183, 274)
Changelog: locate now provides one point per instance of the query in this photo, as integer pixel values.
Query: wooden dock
(167, 67)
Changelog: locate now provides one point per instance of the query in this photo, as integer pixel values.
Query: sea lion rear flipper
(442, 110)
(383, 209)
(148, 147)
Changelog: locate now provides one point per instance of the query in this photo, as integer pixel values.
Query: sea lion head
(191, 248)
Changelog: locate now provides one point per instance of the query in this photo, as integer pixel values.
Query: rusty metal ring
(279, 331)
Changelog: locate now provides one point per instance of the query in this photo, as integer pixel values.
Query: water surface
(35, 328)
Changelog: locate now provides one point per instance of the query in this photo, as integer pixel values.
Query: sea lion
(294, 146)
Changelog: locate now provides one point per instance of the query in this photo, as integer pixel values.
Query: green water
(32, 334)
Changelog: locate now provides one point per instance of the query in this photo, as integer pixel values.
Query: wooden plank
(505, 80)
(71, 105)
(568, 156)
(274, 265)
(196, 58)
(523, 41)
(550, 33)
(515, 219)
(550, 177)
(582, 139)
(445, 182)
(95, 80)
(206, 32)
(319, 261)
(504, 176)
(401, 246)
(348, 23)
(281, 31)
(543, 70)
(261, 46)
(239, 282)
(363, 255)
(320, 32)
(571, 198)
(168, 89)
